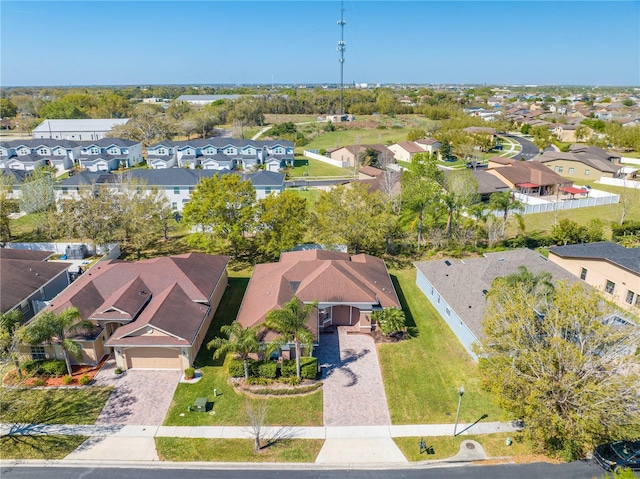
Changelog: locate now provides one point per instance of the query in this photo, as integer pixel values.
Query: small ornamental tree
(390, 320)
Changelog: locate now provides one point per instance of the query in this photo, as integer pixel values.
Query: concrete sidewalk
(232, 432)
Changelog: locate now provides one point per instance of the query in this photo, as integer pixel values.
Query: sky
(294, 42)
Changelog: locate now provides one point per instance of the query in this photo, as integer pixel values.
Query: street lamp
(455, 427)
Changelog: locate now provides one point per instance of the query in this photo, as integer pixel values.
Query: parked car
(618, 455)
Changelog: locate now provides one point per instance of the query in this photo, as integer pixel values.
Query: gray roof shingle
(627, 258)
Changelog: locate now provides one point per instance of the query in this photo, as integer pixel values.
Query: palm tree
(243, 342)
(10, 333)
(59, 329)
(504, 202)
(291, 323)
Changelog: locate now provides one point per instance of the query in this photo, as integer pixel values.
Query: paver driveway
(141, 396)
(353, 389)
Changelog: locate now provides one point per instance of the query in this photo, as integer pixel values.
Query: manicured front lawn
(229, 406)
(53, 406)
(422, 375)
(38, 447)
(236, 450)
(447, 446)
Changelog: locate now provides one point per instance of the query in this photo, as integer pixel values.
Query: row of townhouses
(108, 154)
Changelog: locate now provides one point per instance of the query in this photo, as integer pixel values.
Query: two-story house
(110, 154)
(30, 154)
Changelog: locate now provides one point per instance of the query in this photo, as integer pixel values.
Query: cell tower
(342, 46)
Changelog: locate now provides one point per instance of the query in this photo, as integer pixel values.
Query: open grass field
(422, 375)
(338, 138)
(447, 446)
(53, 406)
(38, 447)
(237, 450)
(229, 406)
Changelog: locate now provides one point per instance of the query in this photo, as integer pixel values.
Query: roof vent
(500, 259)
(484, 291)
(447, 262)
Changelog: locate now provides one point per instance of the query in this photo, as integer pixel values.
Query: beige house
(405, 150)
(607, 266)
(151, 314)
(577, 165)
(351, 153)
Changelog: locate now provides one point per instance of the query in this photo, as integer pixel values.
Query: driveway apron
(141, 396)
(353, 389)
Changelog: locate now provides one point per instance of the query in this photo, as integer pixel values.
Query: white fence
(631, 161)
(539, 205)
(325, 159)
(111, 252)
(620, 182)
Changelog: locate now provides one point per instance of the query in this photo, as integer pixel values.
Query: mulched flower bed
(276, 389)
(12, 379)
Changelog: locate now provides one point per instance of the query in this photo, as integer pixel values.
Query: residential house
(527, 177)
(567, 133)
(151, 314)
(385, 181)
(591, 163)
(28, 281)
(488, 184)
(28, 155)
(430, 145)
(79, 130)
(405, 150)
(350, 154)
(457, 288)
(347, 289)
(176, 183)
(109, 154)
(609, 267)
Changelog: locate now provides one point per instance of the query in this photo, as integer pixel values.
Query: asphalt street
(574, 470)
(529, 150)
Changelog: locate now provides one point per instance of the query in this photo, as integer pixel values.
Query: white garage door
(153, 358)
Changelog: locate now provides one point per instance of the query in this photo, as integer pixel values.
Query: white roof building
(79, 130)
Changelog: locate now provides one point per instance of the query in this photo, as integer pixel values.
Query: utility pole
(342, 46)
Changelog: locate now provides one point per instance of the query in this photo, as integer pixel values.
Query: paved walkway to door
(353, 389)
(141, 396)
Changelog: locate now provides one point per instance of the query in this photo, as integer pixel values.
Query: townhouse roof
(48, 142)
(23, 273)
(107, 142)
(463, 284)
(626, 258)
(316, 275)
(168, 293)
(96, 124)
(15, 176)
(220, 142)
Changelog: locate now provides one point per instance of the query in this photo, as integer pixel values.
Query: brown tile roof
(24, 254)
(595, 163)
(316, 275)
(427, 141)
(170, 293)
(410, 146)
(520, 172)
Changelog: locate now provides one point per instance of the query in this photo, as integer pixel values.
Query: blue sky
(239, 42)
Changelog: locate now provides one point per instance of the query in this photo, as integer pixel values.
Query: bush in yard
(265, 369)
(39, 382)
(45, 367)
(84, 380)
(189, 373)
(236, 368)
(389, 320)
(67, 380)
(291, 380)
(308, 368)
(117, 371)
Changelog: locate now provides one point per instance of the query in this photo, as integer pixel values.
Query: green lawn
(236, 450)
(542, 223)
(53, 406)
(230, 407)
(38, 447)
(338, 138)
(310, 194)
(422, 375)
(304, 167)
(447, 446)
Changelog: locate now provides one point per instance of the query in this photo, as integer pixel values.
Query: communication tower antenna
(342, 46)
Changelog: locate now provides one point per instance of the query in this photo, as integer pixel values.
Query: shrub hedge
(45, 367)
(308, 368)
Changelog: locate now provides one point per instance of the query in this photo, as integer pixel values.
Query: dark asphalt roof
(461, 282)
(627, 258)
